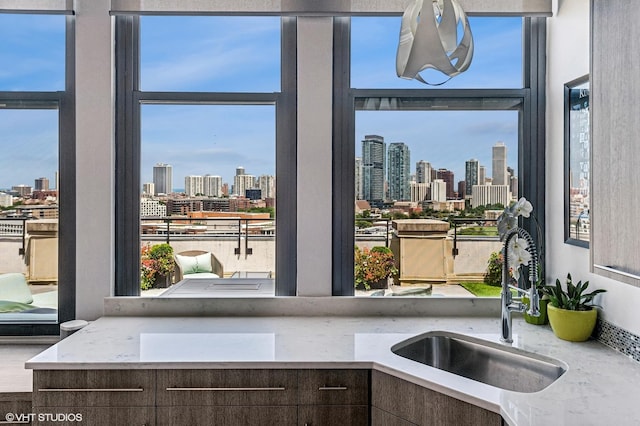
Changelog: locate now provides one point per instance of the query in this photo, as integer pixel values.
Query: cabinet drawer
(226, 387)
(93, 388)
(329, 387)
(331, 415)
(95, 416)
(230, 416)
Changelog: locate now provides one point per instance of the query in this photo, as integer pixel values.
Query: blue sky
(242, 54)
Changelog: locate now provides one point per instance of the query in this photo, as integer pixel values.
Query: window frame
(129, 99)
(64, 102)
(531, 144)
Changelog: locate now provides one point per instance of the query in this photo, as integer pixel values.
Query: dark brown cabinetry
(404, 403)
(333, 397)
(95, 397)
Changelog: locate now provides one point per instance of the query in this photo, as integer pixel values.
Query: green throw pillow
(7, 306)
(194, 264)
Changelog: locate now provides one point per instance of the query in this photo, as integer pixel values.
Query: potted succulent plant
(571, 311)
(373, 267)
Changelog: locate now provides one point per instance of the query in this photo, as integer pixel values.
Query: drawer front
(329, 387)
(93, 388)
(229, 416)
(226, 387)
(332, 415)
(95, 416)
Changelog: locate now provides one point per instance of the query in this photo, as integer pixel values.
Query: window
(204, 163)
(451, 153)
(36, 171)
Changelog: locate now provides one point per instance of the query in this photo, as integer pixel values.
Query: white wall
(568, 59)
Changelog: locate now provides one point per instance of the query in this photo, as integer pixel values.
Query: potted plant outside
(156, 266)
(373, 267)
(571, 311)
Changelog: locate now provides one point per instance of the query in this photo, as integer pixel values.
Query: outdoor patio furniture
(197, 264)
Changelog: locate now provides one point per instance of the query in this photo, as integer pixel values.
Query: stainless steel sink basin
(487, 362)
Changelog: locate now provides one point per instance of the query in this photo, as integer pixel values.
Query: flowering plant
(518, 251)
(373, 265)
(155, 260)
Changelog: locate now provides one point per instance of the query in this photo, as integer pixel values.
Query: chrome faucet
(510, 303)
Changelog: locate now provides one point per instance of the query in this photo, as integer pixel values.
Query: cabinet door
(228, 416)
(382, 418)
(328, 387)
(93, 388)
(226, 387)
(425, 407)
(15, 408)
(331, 415)
(95, 416)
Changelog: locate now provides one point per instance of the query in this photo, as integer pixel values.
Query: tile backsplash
(618, 338)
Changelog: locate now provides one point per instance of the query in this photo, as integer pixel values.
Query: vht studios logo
(43, 417)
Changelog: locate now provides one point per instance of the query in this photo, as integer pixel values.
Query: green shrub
(493, 276)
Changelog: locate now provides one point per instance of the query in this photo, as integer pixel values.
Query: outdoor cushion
(194, 264)
(13, 287)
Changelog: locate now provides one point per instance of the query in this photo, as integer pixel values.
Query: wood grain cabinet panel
(226, 387)
(383, 418)
(93, 388)
(425, 407)
(16, 405)
(332, 415)
(228, 416)
(327, 387)
(95, 416)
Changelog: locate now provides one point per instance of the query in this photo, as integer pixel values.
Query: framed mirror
(577, 147)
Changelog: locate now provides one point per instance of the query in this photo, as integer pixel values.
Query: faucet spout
(508, 303)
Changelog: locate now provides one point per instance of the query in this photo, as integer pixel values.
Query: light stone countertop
(600, 386)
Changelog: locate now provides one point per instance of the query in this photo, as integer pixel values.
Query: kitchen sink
(497, 365)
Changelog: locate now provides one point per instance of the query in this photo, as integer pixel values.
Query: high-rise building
(163, 178)
(212, 186)
(373, 168)
(399, 171)
(423, 172)
(513, 187)
(242, 182)
(41, 184)
(358, 178)
(499, 173)
(484, 195)
(448, 178)
(193, 185)
(22, 190)
(438, 190)
(471, 176)
(482, 175)
(239, 171)
(267, 184)
(420, 191)
(462, 189)
(148, 188)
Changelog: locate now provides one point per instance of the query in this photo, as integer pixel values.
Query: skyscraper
(423, 172)
(241, 183)
(399, 171)
(439, 190)
(448, 178)
(163, 178)
(193, 185)
(41, 184)
(358, 178)
(267, 185)
(499, 173)
(482, 175)
(212, 186)
(471, 176)
(373, 168)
